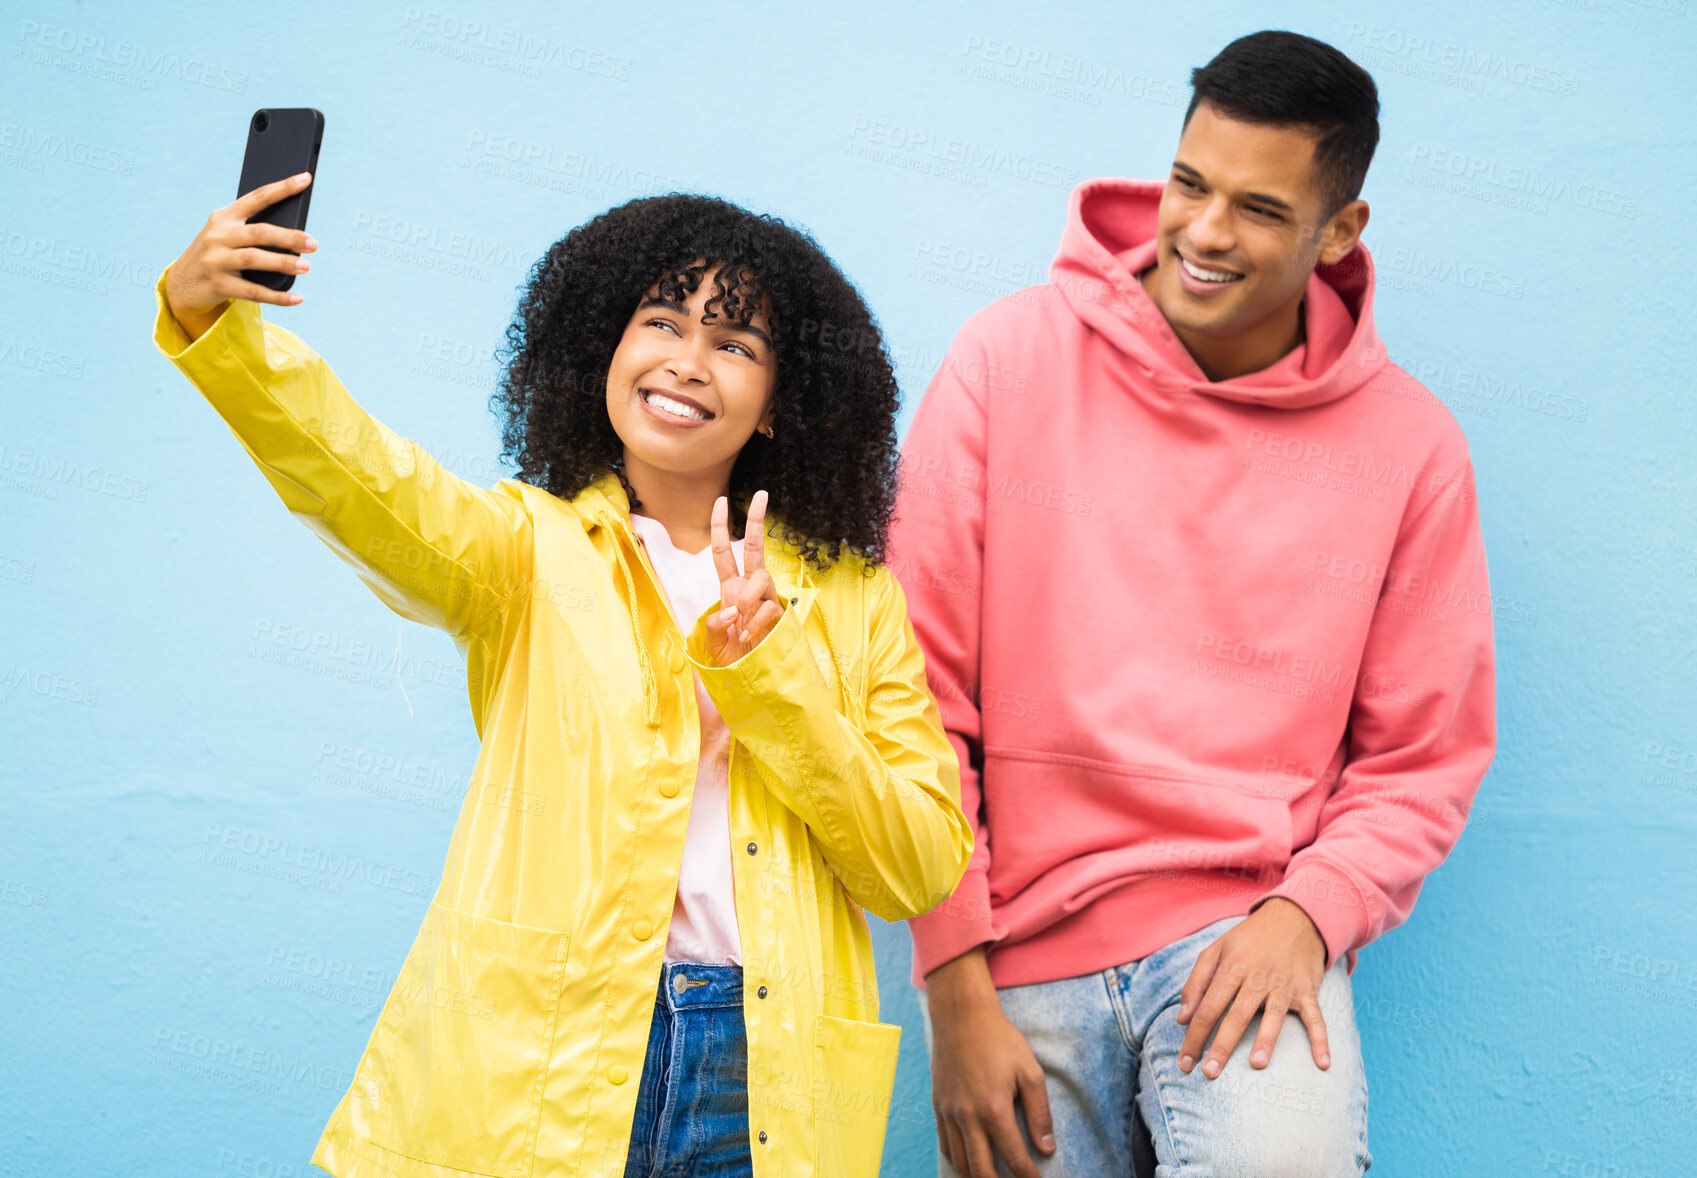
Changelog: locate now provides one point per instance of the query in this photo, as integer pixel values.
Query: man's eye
(1183, 181)
(1268, 213)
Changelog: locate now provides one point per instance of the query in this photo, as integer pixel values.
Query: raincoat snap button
(668, 789)
(617, 1073)
(675, 660)
(761, 991)
(752, 848)
(642, 929)
(762, 1137)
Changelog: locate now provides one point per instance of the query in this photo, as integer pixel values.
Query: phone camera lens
(260, 122)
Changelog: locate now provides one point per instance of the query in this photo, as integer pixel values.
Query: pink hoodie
(1196, 643)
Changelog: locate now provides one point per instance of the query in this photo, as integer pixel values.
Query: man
(1200, 583)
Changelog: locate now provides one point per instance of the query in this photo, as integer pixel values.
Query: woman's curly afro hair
(830, 466)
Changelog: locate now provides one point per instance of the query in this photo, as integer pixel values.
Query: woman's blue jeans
(692, 1105)
(1109, 1044)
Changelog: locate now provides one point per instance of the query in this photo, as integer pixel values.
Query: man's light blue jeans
(1109, 1045)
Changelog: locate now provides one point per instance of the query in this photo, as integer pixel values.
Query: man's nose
(1210, 229)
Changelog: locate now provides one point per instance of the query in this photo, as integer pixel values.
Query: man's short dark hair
(1285, 78)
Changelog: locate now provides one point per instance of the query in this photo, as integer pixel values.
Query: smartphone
(281, 142)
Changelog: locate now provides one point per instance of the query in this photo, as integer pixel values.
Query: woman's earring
(766, 429)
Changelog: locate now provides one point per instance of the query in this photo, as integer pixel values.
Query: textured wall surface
(229, 774)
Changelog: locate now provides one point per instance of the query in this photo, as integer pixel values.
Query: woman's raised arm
(433, 547)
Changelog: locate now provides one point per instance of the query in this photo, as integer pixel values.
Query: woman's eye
(666, 323)
(742, 349)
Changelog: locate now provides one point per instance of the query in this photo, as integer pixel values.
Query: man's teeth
(1208, 275)
(671, 406)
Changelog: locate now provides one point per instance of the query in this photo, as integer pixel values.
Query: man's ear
(1343, 231)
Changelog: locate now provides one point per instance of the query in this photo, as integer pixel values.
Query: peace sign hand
(749, 603)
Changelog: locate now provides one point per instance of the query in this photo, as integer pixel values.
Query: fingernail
(745, 635)
(311, 243)
(1325, 1061)
(1183, 1009)
(1259, 1058)
(1186, 1062)
(1047, 1142)
(1211, 1068)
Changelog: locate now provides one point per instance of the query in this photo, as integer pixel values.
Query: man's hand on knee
(1275, 959)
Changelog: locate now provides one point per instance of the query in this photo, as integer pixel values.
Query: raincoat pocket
(455, 1069)
(853, 1079)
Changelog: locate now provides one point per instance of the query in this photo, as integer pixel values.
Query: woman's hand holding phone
(208, 274)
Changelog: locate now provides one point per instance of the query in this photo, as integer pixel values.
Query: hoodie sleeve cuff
(958, 924)
(1332, 901)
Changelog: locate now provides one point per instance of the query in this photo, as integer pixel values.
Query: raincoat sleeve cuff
(770, 662)
(237, 328)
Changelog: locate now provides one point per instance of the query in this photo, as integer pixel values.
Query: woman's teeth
(661, 401)
(1208, 275)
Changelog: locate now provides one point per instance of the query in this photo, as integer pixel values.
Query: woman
(647, 949)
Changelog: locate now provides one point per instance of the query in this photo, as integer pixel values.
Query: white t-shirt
(704, 915)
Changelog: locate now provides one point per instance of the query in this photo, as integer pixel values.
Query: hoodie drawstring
(650, 685)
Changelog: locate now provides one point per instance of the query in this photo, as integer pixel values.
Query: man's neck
(1260, 347)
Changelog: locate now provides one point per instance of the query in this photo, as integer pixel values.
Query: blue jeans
(692, 1105)
(1109, 1045)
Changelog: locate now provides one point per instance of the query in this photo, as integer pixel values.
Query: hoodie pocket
(854, 1075)
(456, 1065)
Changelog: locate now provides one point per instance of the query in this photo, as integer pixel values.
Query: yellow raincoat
(513, 1041)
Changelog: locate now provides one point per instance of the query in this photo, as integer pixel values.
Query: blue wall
(167, 755)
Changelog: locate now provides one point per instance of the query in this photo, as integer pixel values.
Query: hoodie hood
(1110, 237)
